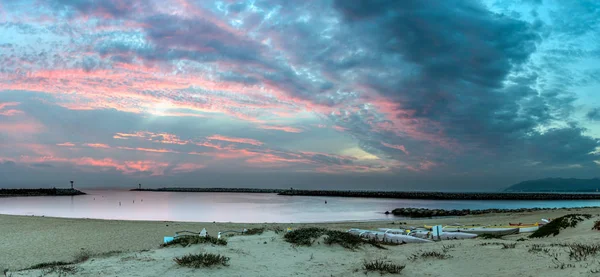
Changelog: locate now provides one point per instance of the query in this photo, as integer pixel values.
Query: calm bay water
(239, 207)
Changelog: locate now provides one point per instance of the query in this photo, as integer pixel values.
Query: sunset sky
(346, 94)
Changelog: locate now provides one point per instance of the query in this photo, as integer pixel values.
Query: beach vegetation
(60, 271)
(504, 245)
(537, 248)
(382, 266)
(307, 236)
(446, 248)
(304, 236)
(188, 240)
(553, 228)
(429, 254)
(490, 236)
(48, 265)
(81, 256)
(254, 231)
(581, 252)
(596, 225)
(509, 245)
(202, 260)
(277, 229)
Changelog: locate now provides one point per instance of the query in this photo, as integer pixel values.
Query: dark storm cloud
(459, 56)
(563, 146)
(594, 114)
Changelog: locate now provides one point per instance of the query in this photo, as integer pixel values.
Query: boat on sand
(427, 234)
(387, 237)
(482, 230)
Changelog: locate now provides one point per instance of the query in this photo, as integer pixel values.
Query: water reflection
(238, 207)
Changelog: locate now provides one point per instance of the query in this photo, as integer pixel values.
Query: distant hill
(557, 185)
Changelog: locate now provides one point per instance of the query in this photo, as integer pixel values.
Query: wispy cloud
(96, 145)
(281, 128)
(236, 140)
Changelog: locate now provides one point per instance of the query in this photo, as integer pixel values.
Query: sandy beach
(131, 248)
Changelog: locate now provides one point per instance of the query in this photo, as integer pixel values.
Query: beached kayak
(387, 237)
(482, 230)
(426, 234)
(524, 224)
(443, 235)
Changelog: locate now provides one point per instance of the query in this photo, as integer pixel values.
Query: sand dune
(30, 240)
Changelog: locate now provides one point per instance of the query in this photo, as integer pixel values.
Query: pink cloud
(148, 149)
(155, 137)
(235, 140)
(96, 145)
(281, 128)
(127, 167)
(127, 136)
(187, 167)
(9, 112)
(339, 128)
(68, 144)
(18, 129)
(8, 104)
(399, 147)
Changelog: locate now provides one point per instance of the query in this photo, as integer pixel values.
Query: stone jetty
(39, 192)
(444, 195)
(241, 190)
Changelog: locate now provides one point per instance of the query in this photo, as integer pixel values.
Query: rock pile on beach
(420, 212)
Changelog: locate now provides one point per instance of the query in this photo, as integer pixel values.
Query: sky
(331, 94)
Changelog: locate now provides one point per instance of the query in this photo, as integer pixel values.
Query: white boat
(529, 229)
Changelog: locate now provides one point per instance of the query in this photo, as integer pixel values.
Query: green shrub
(307, 236)
(254, 231)
(202, 260)
(304, 236)
(553, 228)
(429, 254)
(580, 252)
(382, 266)
(187, 240)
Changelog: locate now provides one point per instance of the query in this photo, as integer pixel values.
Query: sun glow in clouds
(161, 108)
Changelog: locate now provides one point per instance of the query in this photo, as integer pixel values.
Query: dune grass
(429, 254)
(307, 236)
(202, 260)
(187, 240)
(254, 231)
(382, 266)
(490, 236)
(553, 228)
(581, 252)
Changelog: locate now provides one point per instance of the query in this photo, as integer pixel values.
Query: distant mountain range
(557, 185)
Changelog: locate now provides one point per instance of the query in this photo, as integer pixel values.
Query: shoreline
(419, 214)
